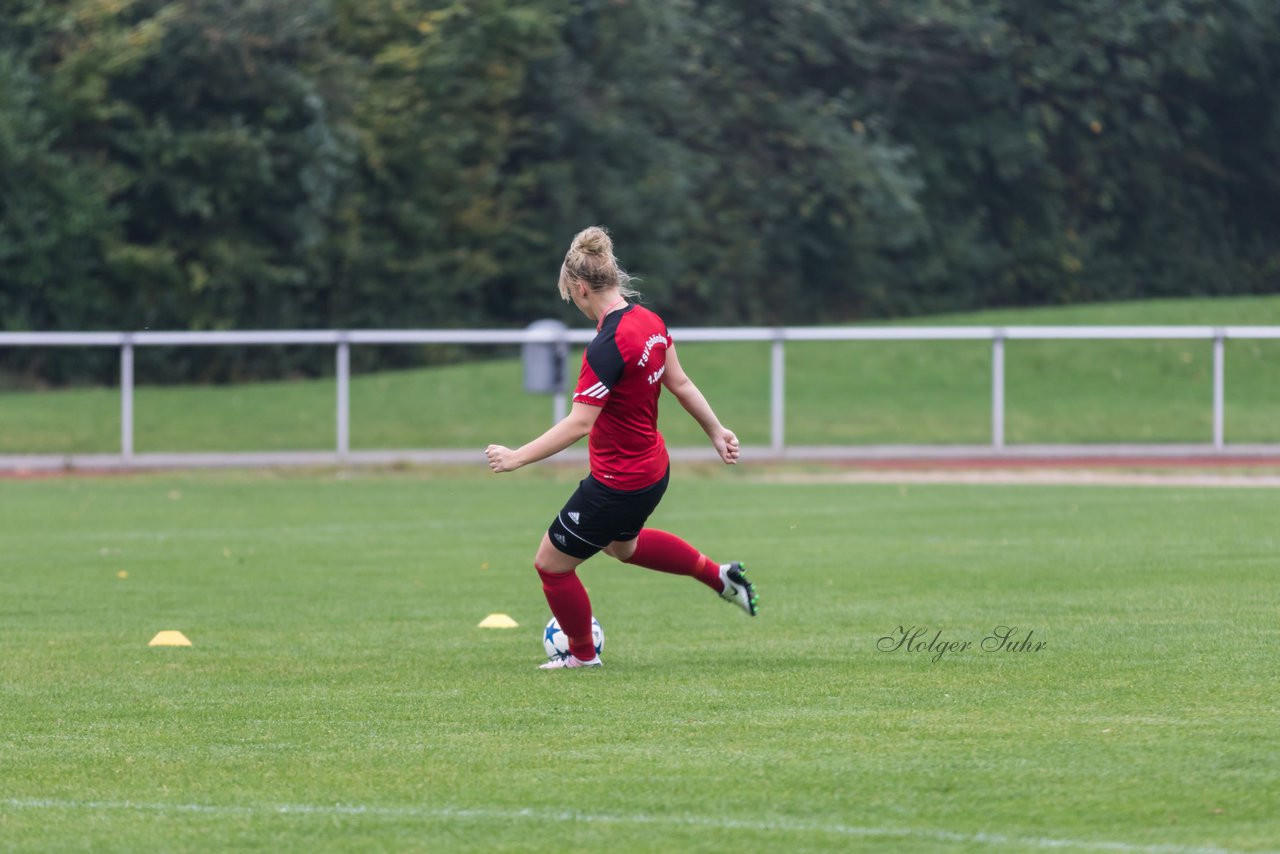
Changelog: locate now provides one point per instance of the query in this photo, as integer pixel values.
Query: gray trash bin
(544, 363)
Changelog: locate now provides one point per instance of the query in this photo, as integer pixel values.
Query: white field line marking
(574, 817)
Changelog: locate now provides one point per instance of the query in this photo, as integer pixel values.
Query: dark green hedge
(212, 164)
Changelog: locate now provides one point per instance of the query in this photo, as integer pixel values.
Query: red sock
(568, 600)
(668, 553)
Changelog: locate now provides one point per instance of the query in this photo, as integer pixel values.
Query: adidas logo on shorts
(560, 539)
(573, 517)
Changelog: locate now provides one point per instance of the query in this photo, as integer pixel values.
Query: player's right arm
(676, 381)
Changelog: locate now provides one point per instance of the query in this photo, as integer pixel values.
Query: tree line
(219, 164)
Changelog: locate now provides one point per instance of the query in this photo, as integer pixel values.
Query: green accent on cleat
(738, 589)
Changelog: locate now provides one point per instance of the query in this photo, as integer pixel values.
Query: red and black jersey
(622, 372)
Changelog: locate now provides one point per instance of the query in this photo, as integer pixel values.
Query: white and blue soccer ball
(556, 642)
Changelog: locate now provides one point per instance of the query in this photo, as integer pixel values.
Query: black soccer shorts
(595, 516)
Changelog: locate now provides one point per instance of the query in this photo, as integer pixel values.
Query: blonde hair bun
(590, 259)
(592, 241)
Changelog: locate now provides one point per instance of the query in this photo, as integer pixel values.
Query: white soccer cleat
(564, 661)
(737, 589)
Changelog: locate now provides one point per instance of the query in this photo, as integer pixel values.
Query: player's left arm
(676, 381)
(578, 423)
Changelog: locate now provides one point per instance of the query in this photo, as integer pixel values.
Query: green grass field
(837, 393)
(339, 696)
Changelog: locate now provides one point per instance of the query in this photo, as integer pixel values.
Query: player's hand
(726, 446)
(501, 458)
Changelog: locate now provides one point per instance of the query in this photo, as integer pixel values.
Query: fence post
(777, 393)
(560, 398)
(997, 390)
(1219, 391)
(126, 399)
(344, 394)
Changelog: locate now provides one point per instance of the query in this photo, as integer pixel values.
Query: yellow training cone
(170, 638)
(498, 621)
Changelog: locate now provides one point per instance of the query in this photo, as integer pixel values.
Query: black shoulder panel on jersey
(603, 354)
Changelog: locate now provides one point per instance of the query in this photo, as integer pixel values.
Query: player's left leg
(566, 597)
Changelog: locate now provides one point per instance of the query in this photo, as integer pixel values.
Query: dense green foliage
(214, 164)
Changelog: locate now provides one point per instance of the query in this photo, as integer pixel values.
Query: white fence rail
(342, 341)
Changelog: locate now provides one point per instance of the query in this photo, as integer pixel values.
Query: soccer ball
(556, 642)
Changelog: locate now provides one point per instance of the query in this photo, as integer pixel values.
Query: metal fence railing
(778, 337)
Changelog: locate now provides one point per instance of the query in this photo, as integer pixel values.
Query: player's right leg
(665, 552)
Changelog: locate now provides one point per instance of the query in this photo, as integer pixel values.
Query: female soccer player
(624, 370)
